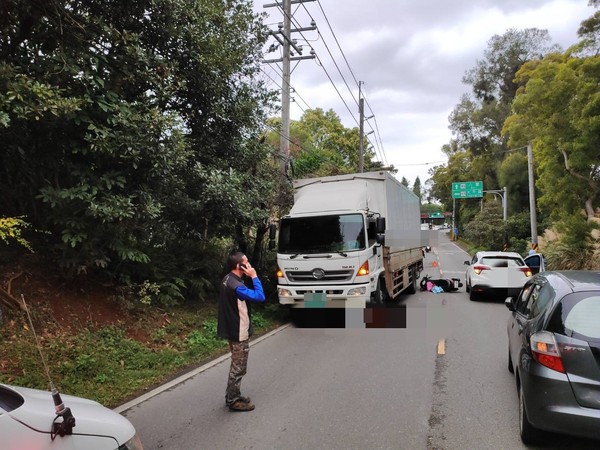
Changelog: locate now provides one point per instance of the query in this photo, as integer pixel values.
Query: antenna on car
(68, 421)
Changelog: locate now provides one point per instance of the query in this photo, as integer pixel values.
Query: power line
(378, 147)
(295, 91)
(336, 40)
(378, 139)
(337, 90)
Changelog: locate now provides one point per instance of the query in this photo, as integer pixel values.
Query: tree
(487, 230)
(558, 110)
(417, 188)
(476, 122)
(321, 145)
(130, 129)
(513, 174)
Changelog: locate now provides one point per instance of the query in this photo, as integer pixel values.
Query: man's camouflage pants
(239, 363)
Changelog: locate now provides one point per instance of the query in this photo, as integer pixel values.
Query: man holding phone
(235, 324)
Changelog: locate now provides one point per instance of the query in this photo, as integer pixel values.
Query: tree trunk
(257, 255)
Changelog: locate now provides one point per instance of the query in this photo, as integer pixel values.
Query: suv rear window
(495, 261)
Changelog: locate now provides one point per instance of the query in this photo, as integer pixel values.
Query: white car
(35, 419)
(499, 273)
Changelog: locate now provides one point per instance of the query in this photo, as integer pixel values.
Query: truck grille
(328, 276)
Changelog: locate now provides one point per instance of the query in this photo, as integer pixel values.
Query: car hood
(91, 418)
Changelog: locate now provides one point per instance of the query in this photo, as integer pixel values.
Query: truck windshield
(320, 234)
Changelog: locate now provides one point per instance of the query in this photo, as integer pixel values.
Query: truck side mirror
(272, 235)
(380, 238)
(380, 225)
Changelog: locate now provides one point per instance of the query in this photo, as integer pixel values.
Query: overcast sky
(411, 56)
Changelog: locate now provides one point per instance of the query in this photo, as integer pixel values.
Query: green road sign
(467, 189)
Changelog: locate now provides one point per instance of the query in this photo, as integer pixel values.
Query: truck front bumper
(320, 296)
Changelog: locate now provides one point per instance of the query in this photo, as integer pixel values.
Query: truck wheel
(380, 297)
(412, 287)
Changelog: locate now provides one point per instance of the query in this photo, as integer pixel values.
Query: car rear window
(502, 261)
(584, 318)
(578, 315)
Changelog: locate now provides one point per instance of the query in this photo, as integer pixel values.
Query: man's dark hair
(234, 259)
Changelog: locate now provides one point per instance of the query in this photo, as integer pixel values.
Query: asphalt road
(439, 382)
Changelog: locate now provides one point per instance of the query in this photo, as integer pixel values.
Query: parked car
(496, 273)
(36, 419)
(554, 352)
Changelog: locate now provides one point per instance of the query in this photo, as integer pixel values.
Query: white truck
(349, 241)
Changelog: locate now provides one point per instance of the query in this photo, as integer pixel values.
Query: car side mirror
(467, 263)
(510, 303)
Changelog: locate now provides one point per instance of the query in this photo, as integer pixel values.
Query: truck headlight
(132, 444)
(284, 292)
(358, 291)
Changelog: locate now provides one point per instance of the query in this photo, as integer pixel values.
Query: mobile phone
(243, 266)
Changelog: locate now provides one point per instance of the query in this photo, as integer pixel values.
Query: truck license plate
(315, 299)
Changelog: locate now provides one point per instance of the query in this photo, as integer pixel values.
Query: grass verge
(114, 363)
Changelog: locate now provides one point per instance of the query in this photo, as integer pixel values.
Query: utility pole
(532, 213)
(361, 112)
(283, 37)
(362, 134)
(284, 142)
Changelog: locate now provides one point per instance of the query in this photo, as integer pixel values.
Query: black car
(554, 352)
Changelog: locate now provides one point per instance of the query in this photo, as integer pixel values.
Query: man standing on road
(235, 324)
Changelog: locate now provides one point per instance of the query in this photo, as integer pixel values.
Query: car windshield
(332, 233)
(502, 261)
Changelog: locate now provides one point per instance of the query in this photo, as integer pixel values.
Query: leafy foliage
(486, 230)
(322, 146)
(526, 91)
(131, 129)
(11, 229)
(558, 111)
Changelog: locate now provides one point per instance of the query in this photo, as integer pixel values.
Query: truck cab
(328, 260)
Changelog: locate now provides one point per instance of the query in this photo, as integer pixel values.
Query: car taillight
(479, 269)
(545, 351)
(364, 269)
(526, 270)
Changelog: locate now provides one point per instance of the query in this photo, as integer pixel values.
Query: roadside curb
(171, 384)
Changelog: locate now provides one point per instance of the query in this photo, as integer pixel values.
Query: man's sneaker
(239, 405)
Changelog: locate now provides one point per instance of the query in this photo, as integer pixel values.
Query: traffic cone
(434, 264)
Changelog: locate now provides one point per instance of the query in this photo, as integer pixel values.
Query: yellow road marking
(441, 347)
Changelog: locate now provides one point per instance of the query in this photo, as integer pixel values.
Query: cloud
(411, 56)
